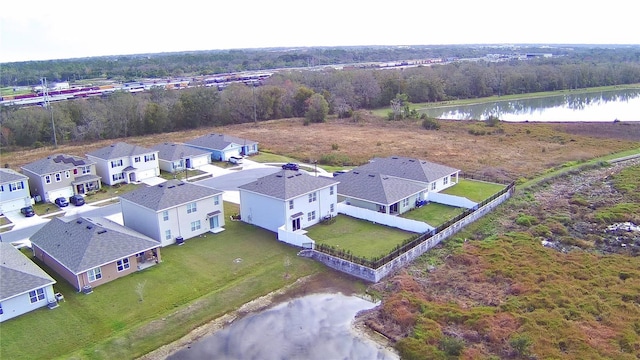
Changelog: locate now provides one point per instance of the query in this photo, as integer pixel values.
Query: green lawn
(362, 238)
(474, 190)
(433, 214)
(201, 280)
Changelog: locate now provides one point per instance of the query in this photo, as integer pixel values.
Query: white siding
(21, 304)
(262, 211)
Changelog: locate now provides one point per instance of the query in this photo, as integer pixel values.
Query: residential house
(61, 176)
(394, 185)
(172, 210)
(222, 147)
(14, 190)
(293, 199)
(88, 252)
(24, 287)
(174, 158)
(124, 163)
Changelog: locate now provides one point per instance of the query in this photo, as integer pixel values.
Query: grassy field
(474, 190)
(433, 214)
(201, 280)
(361, 238)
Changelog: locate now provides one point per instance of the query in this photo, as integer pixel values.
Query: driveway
(229, 183)
(153, 181)
(21, 221)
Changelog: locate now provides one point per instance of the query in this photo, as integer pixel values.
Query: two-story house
(125, 163)
(14, 190)
(178, 157)
(61, 176)
(293, 199)
(24, 287)
(173, 210)
(222, 146)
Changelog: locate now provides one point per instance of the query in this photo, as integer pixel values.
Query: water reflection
(623, 105)
(316, 326)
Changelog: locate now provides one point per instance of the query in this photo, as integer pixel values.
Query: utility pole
(255, 117)
(47, 104)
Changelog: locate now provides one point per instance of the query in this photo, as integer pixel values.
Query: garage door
(50, 196)
(14, 205)
(230, 153)
(141, 175)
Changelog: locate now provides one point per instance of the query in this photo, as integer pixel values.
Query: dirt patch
(616, 130)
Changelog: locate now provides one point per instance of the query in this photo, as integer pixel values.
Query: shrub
(540, 230)
(526, 220)
(520, 343)
(492, 121)
(430, 124)
(334, 147)
(451, 346)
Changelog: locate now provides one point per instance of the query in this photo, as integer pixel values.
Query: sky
(47, 30)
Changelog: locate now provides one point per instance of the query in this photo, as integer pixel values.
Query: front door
(213, 222)
(295, 224)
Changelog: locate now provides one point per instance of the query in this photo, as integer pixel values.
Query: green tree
(317, 108)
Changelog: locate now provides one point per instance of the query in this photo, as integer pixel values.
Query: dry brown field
(509, 150)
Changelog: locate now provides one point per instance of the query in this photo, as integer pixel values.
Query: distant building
(178, 157)
(125, 163)
(222, 147)
(14, 190)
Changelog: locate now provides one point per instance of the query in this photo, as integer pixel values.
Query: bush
(451, 346)
(526, 220)
(492, 121)
(430, 124)
(520, 344)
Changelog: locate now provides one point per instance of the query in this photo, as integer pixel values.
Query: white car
(235, 160)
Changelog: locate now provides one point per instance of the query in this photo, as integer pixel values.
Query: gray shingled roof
(218, 141)
(407, 168)
(83, 243)
(56, 163)
(288, 184)
(173, 152)
(119, 150)
(376, 188)
(169, 194)
(18, 273)
(9, 175)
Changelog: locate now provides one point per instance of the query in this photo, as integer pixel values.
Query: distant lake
(312, 327)
(623, 105)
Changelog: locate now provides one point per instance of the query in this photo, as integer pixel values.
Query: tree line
(312, 95)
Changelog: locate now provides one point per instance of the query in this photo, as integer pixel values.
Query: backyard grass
(362, 238)
(433, 214)
(474, 190)
(205, 278)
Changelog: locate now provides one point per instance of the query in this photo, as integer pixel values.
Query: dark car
(290, 166)
(339, 172)
(27, 211)
(62, 202)
(77, 200)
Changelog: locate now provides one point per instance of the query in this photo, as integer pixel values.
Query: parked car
(61, 201)
(27, 211)
(290, 166)
(77, 200)
(235, 160)
(336, 173)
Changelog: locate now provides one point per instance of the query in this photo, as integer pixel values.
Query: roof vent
(394, 157)
(102, 231)
(279, 175)
(89, 227)
(355, 172)
(79, 221)
(181, 184)
(171, 186)
(298, 174)
(371, 175)
(160, 185)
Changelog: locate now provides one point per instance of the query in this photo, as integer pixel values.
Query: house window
(1, 187)
(167, 234)
(94, 274)
(433, 186)
(332, 208)
(216, 200)
(445, 181)
(67, 174)
(117, 177)
(116, 163)
(15, 186)
(165, 215)
(36, 295)
(290, 204)
(58, 177)
(330, 190)
(312, 197)
(1, 312)
(47, 179)
(195, 225)
(136, 159)
(148, 158)
(311, 216)
(75, 171)
(191, 208)
(123, 264)
(86, 169)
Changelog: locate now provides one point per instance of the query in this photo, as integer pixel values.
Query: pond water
(622, 105)
(317, 326)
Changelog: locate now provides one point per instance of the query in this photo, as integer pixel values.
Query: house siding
(265, 212)
(109, 273)
(16, 199)
(142, 220)
(143, 170)
(58, 268)
(21, 304)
